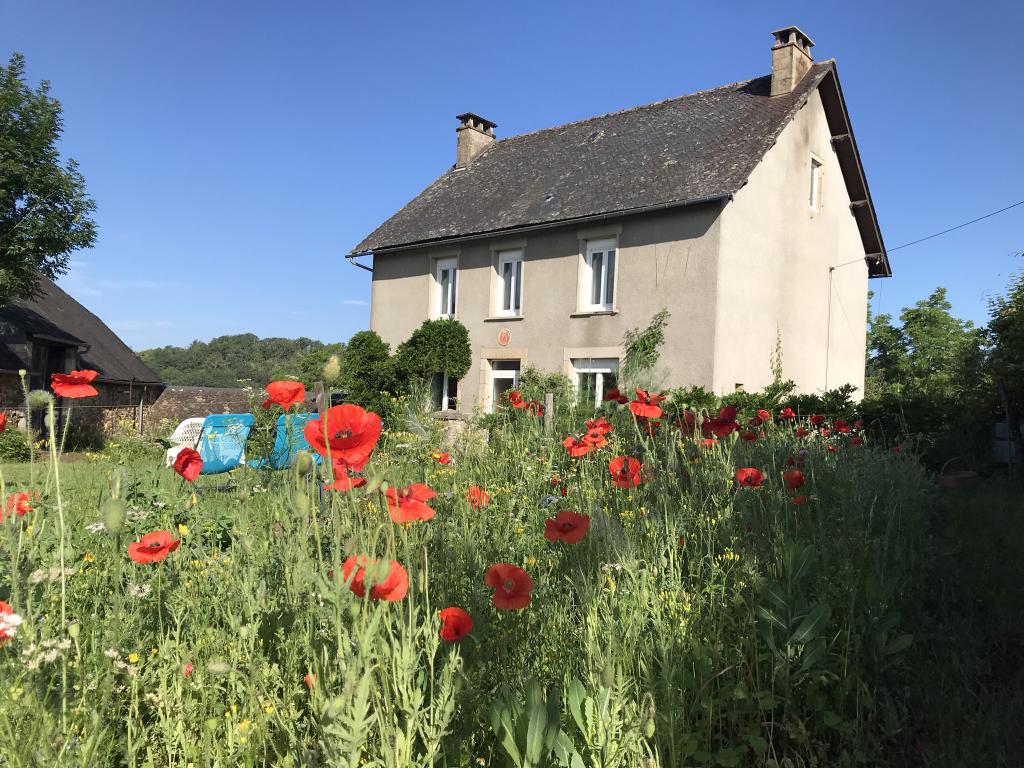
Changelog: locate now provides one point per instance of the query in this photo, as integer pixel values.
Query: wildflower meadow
(646, 584)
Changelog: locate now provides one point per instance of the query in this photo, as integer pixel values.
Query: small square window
(504, 376)
(444, 392)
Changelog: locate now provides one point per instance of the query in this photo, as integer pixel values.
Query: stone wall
(179, 403)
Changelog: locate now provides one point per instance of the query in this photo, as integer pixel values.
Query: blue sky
(237, 150)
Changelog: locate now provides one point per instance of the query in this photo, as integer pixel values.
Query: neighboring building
(743, 210)
(53, 333)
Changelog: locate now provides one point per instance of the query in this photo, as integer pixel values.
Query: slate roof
(56, 316)
(684, 150)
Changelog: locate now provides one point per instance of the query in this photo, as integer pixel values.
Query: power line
(958, 226)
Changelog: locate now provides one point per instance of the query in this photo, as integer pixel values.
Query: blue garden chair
(222, 442)
(287, 442)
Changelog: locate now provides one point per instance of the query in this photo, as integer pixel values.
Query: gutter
(535, 227)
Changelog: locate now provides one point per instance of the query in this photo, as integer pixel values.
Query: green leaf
(576, 694)
(898, 645)
(814, 622)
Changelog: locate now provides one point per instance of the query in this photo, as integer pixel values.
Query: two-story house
(743, 210)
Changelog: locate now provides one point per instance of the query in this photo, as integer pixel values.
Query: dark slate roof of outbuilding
(684, 150)
(55, 315)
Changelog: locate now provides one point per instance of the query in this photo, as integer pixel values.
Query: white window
(504, 376)
(444, 392)
(594, 377)
(599, 276)
(816, 172)
(510, 283)
(445, 274)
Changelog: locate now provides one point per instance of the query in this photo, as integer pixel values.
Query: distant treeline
(226, 360)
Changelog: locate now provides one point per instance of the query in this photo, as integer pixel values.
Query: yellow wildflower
(133, 657)
(89, 557)
(183, 529)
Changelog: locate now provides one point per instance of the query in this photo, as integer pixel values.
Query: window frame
(445, 383)
(817, 184)
(501, 373)
(601, 367)
(592, 247)
(506, 256)
(440, 265)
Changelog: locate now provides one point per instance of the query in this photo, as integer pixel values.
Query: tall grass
(697, 623)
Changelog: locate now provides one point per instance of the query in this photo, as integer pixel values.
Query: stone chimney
(474, 136)
(791, 58)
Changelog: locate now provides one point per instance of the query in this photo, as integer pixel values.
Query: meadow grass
(697, 623)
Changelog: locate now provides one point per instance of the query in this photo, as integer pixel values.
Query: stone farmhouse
(743, 210)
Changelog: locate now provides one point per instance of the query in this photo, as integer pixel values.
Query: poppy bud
(73, 629)
(373, 482)
(332, 369)
(301, 502)
(243, 496)
(649, 729)
(608, 675)
(38, 399)
(113, 514)
(218, 667)
(303, 462)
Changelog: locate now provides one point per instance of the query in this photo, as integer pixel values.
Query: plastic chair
(286, 445)
(185, 435)
(222, 443)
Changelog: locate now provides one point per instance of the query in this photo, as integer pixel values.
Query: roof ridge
(637, 108)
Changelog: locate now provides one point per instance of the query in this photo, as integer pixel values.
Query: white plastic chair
(185, 435)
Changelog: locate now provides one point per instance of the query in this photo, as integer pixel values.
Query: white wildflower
(9, 623)
(140, 590)
(112, 653)
(37, 576)
(96, 527)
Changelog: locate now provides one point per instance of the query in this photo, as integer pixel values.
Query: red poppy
(535, 408)
(723, 425)
(188, 463)
(764, 415)
(748, 436)
(577, 447)
(187, 669)
(817, 420)
(681, 542)
(596, 438)
(19, 503)
(73, 385)
(755, 421)
(390, 586)
(511, 584)
(285, 393)
(687, 422)
(515, 399)
(441, 458)
(825, 431)
(787, 413)
(801, 432)
(793, 479)
(3, 421)
(840, 426)
(614, 396)
(310, 680)
(567, 526)
(599, 425)
(857, 441)
(830, 448)
(153, 547)
(555, 480)
(749, 477)
(351, 432)
(455, 624)
(407, 504)
(858, 424)
(709, 442)
(897, 449)
(7, 627)
(343, 481)
(477, 497)
(646, 404)
(626, 471)
(799, 501)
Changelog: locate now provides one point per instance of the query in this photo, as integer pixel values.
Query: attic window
(817, 169)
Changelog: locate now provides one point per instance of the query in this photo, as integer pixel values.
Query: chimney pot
(474, 134)
(791, 58)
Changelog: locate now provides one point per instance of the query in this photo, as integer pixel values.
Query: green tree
(44, 211)
(437, 346)
(368, 373)
(311, 367)
(1006, 362)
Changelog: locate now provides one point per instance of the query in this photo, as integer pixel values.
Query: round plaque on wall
(504, 337)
